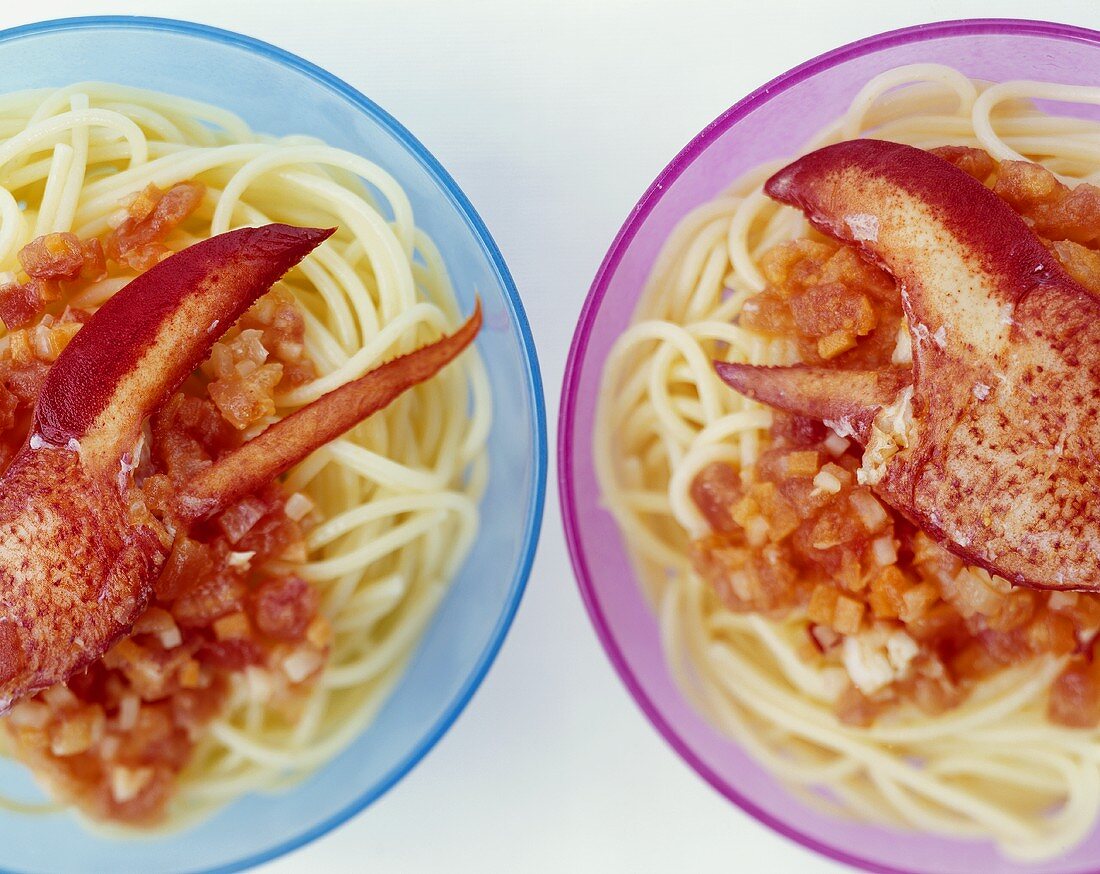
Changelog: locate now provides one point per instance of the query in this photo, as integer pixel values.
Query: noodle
(992, 768)
(398, 495)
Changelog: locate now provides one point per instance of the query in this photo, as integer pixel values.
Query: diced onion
(741, 585)
(29, 714)
(301, 663)
(871, 513)
(319, 632)
(836, 445)
(109, 746)
(826, 482)
(260, 684)
(974, 595)
(885, 551)
(126, 782)
(128, 708)
(240, 560)
(78, 733)
(59, 697)
(756, 532)
(1059, 600)
(297, 506)
(171, 638)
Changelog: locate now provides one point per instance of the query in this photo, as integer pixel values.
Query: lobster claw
(79, 553)
(846, 400)
(993, 450)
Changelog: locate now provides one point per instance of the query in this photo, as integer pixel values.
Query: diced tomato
(1051, 633)
(233, 654)
(283, 607)
(138, 241)
(767, 314)
(193, 709)
(94, 266)
(715, 489)
(241, 518)
(855, 708)
(1054, 210)
(53, 257)
(26, 381)
(975, 162)
(20, 305)
(1075, 696)
(246, 398)
(189, 561)
(208, 598)
(825, 309)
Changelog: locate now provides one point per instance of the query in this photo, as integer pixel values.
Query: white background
(554, 117)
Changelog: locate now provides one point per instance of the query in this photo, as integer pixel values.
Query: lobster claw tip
(846, 400)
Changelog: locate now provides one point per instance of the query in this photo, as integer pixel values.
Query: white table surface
(554, 117)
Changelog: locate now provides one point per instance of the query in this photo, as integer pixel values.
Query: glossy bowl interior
(769, 124)
(281, 94)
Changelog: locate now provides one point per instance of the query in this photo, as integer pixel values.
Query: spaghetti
(396, 498)
(993, 767)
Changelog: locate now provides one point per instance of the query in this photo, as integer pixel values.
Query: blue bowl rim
(461, 203)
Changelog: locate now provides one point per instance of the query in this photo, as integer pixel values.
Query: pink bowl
(768, 124)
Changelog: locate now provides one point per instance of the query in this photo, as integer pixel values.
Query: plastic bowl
(279, 93)
(768, 124)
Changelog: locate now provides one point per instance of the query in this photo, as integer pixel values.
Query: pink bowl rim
(579, 347)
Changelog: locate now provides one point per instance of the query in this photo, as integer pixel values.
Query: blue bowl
(279, 93)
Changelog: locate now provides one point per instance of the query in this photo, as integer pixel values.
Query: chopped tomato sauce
(835, 306)
(49, 261)
(138, 240)
(797, 535)
(227, 608)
